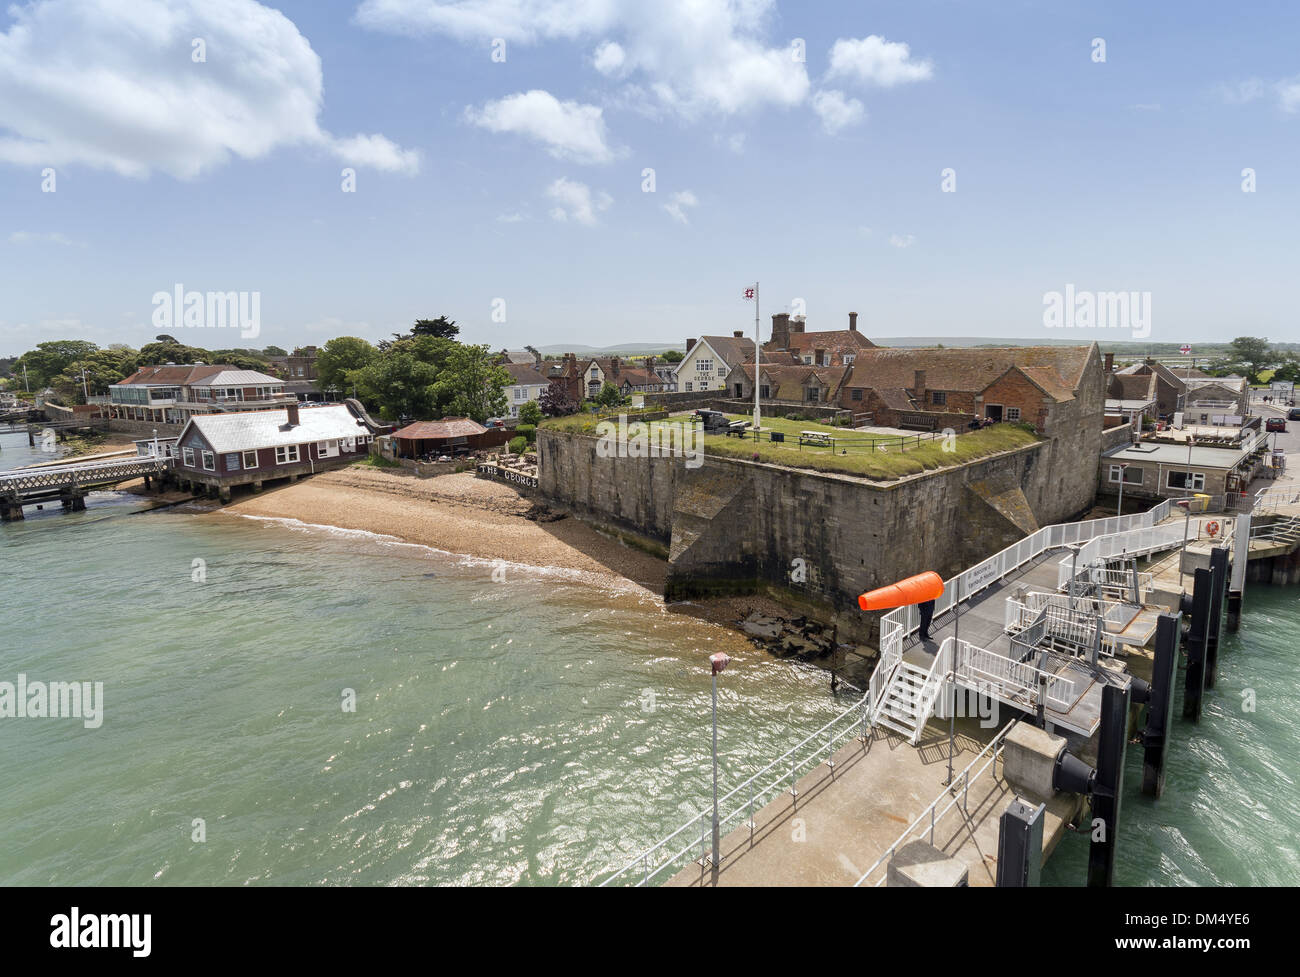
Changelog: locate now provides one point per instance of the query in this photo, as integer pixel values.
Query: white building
(526, 384)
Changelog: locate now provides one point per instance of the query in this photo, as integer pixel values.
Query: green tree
(609, 396)
(270, 351)
(1253, 353)
(102, 367)
(674, 356)
(340, 357)
(51, 359)
(439, 328)
(530, 413)
(471, 385)
(153, 354)
(398, 383)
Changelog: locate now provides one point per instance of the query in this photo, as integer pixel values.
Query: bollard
(1020, 845)
(1194, 680)
(1108, 784)
(1160, 705)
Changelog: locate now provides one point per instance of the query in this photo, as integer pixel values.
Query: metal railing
(928, 819)
(1015, 683)
(1271, 498)
(694, 838)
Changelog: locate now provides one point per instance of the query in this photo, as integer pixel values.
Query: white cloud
(575, 201)
(678, 203)
(113, 85)
(836, 111)
(1288, 94)
(47, 237)
(697, 56)
(902, 241)
(569, 130)
(609, 58)
(875, 61)
(376, 152)
(1243, 91)
(511, 218)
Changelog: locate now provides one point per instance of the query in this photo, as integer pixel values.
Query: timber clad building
(253, 447)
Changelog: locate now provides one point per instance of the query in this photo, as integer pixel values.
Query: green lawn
(856, 453)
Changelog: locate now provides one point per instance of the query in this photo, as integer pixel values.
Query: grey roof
(1176, 454)
(525, 374)
(237, 378)
(246, 430)
(1128, 404)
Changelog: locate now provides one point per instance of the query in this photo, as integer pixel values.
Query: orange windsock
(912, 590)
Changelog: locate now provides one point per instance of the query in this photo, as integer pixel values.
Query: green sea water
(535, 729)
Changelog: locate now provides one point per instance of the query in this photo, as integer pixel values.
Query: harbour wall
(815, 539)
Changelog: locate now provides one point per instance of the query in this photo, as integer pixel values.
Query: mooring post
(1160, 705)
(1240, 563)
(1108, 784)
(1218, 584)
(1197, 638)
(1020, 845)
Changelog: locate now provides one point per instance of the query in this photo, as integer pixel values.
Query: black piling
(1108, 784)
(1218, 586)
(1197, 639)
(1160, 705)
(1020, 845)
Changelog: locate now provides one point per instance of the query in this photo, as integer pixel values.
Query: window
(703, 366)
(1013, 413)
(187, 455)
(764, 391)
(808, 359)
(848, 359)
(939, 397)
(812, 395)
(857, 393)
(1190, 481)
(250, 459)
(286, 454)
(327, 449)
(209, 461)
(689, 386)
(1131, 475)
(520, 393)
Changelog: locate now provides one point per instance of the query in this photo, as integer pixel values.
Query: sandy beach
(458, 513)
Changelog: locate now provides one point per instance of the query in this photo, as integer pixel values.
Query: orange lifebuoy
(1212, 527)
(913, 590)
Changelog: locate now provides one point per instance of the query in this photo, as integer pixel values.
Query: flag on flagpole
(749, 293)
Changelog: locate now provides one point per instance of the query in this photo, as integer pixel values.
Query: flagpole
(758, 418)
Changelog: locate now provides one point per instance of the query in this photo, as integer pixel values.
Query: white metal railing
(958, 792)
(905, 620)
(1271, 498)
(1015, 683)
(1139, 542)
(694, 838)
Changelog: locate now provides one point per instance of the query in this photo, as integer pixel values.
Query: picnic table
(814, 437)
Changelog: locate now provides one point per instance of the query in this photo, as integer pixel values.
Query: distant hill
(639, 349)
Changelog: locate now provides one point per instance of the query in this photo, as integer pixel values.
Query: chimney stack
(797, 323)
(292, 411)
(1110, 362)
(918, 386)
(614, 366)
(537, 362)
(853, 322)
(690, 345)
(739, 333)
(781, 330)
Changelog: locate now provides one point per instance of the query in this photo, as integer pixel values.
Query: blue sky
(821, 179)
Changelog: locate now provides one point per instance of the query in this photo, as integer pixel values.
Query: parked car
(1275, 424)
(1293, 414)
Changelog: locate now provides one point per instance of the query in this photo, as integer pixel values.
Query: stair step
(882, 721)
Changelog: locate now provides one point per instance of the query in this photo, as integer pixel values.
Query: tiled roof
(525, 374)
(247, 430)
(170, 375)
(1131, 386)
(791, 380)
(837, 342)
(638, 377)
(448, 427)
(734, 350)
(1056, 369)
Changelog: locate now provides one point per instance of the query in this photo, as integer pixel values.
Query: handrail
(996, 744)
(789, 772)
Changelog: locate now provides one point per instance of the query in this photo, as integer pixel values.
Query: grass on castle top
(881, 457)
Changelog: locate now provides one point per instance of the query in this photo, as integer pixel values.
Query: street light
(719, 662)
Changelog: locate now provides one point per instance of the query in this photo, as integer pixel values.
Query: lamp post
(718, 662)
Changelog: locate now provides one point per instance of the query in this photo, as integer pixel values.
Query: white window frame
(187, 456)
(287, 454)
(209, 461)
(244, 459)
(1197, 481)
(1117, 473)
